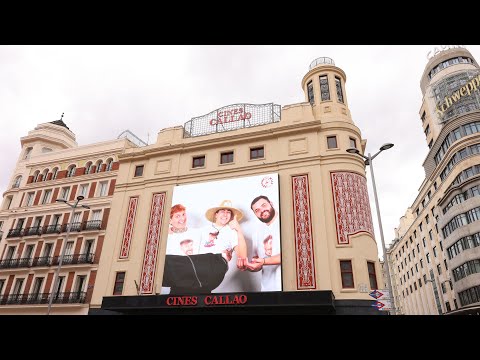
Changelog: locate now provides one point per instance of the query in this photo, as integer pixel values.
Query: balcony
(52, 229)
(76, 297)
(47, 261)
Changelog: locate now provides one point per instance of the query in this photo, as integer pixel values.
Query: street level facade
(252, 208)
(34, 224)
(435, 256)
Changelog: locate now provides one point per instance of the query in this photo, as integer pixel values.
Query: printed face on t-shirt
(268, 245)
(187, 246)
(179, 220)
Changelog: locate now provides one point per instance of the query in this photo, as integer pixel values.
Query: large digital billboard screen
(224, 236)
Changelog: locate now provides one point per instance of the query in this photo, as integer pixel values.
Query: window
(61, 279)
(69, 248)
(311, 97)
(421, 263)
(332, 142)
(427, 219)
(138, 170)
(324, 89)
(198, 161)
(427, 130)
(347, 274)
(447, 305)
(2, 282)
(30, 197)
(119, 280)
(109, 165)
(445, 263)
(353, 143)
(430, 234)
(18, 287)
(435, 251)
(338, 84)
(88, 167)
(83, 190)
(88, 248)
(423, 116)
(420, 226)
(439, 269)
(257, 153)
(46, 196)
(226, 157)
(420, 282)
(372, 275)
(28, 251)
(17, 181)
(65, 192)
(430, 144)
(71, 171)
(54, 173)
(96, 215)
(37, 287)
(102, 191)
(428, 258)
(99, 166)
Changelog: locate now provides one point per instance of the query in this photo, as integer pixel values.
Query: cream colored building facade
(327, 241)
(435, 257)
(51, 166)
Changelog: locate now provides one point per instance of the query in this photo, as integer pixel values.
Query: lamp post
(60, 261)
(369, 161)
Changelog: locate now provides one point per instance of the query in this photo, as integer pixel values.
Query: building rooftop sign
(232, 117)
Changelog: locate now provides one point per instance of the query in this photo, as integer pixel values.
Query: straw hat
(226, 204)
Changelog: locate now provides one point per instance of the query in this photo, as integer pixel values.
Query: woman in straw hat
(225, 235)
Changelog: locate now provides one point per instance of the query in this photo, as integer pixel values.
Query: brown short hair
(176, 208)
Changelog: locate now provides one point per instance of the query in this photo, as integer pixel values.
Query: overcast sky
(104, 90)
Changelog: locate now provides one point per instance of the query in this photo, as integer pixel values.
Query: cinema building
(315, 251)
(37, 228)
(435, 258)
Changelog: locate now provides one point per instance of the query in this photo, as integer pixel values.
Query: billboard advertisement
(224, 236)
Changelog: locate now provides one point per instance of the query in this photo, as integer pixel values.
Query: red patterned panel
(127, 233)
(303, 233)
(151, 247)
(352, 207)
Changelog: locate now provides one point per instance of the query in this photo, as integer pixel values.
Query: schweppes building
(251, 208)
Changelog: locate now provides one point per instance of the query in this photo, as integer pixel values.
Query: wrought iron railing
(75, 297)
(47, 261)
(51, 229)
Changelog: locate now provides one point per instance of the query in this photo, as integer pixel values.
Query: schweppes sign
(466, 90)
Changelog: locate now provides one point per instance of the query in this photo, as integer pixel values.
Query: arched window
(35, 175)
(109, 164)
(17, 181)
(45, 150)
(44, 174)
(54, 173)
(71, 170)
(88, 167)
(99, 164)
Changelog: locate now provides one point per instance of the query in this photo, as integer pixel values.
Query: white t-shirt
(174, 240)
(226, 239)
(271, 274)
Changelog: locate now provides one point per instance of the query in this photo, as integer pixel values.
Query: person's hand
(242, 263)
(234, 225)
(255, 265)
(227, 254)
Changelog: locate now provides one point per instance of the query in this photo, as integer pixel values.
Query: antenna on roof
(61, 117)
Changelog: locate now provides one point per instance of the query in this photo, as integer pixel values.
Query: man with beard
(266, 258)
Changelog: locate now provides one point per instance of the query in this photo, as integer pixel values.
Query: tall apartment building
(35, 225)
(292, 163)
(435, 257)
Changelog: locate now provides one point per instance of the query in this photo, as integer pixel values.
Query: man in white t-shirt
(266, 245)
(179, 232)
(224, 235)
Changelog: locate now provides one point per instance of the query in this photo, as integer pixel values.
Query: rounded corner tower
(324, 88)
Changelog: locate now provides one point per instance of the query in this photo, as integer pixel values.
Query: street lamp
(369, 161)
(60, 261)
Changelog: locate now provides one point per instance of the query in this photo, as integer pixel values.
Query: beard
(268, 219)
